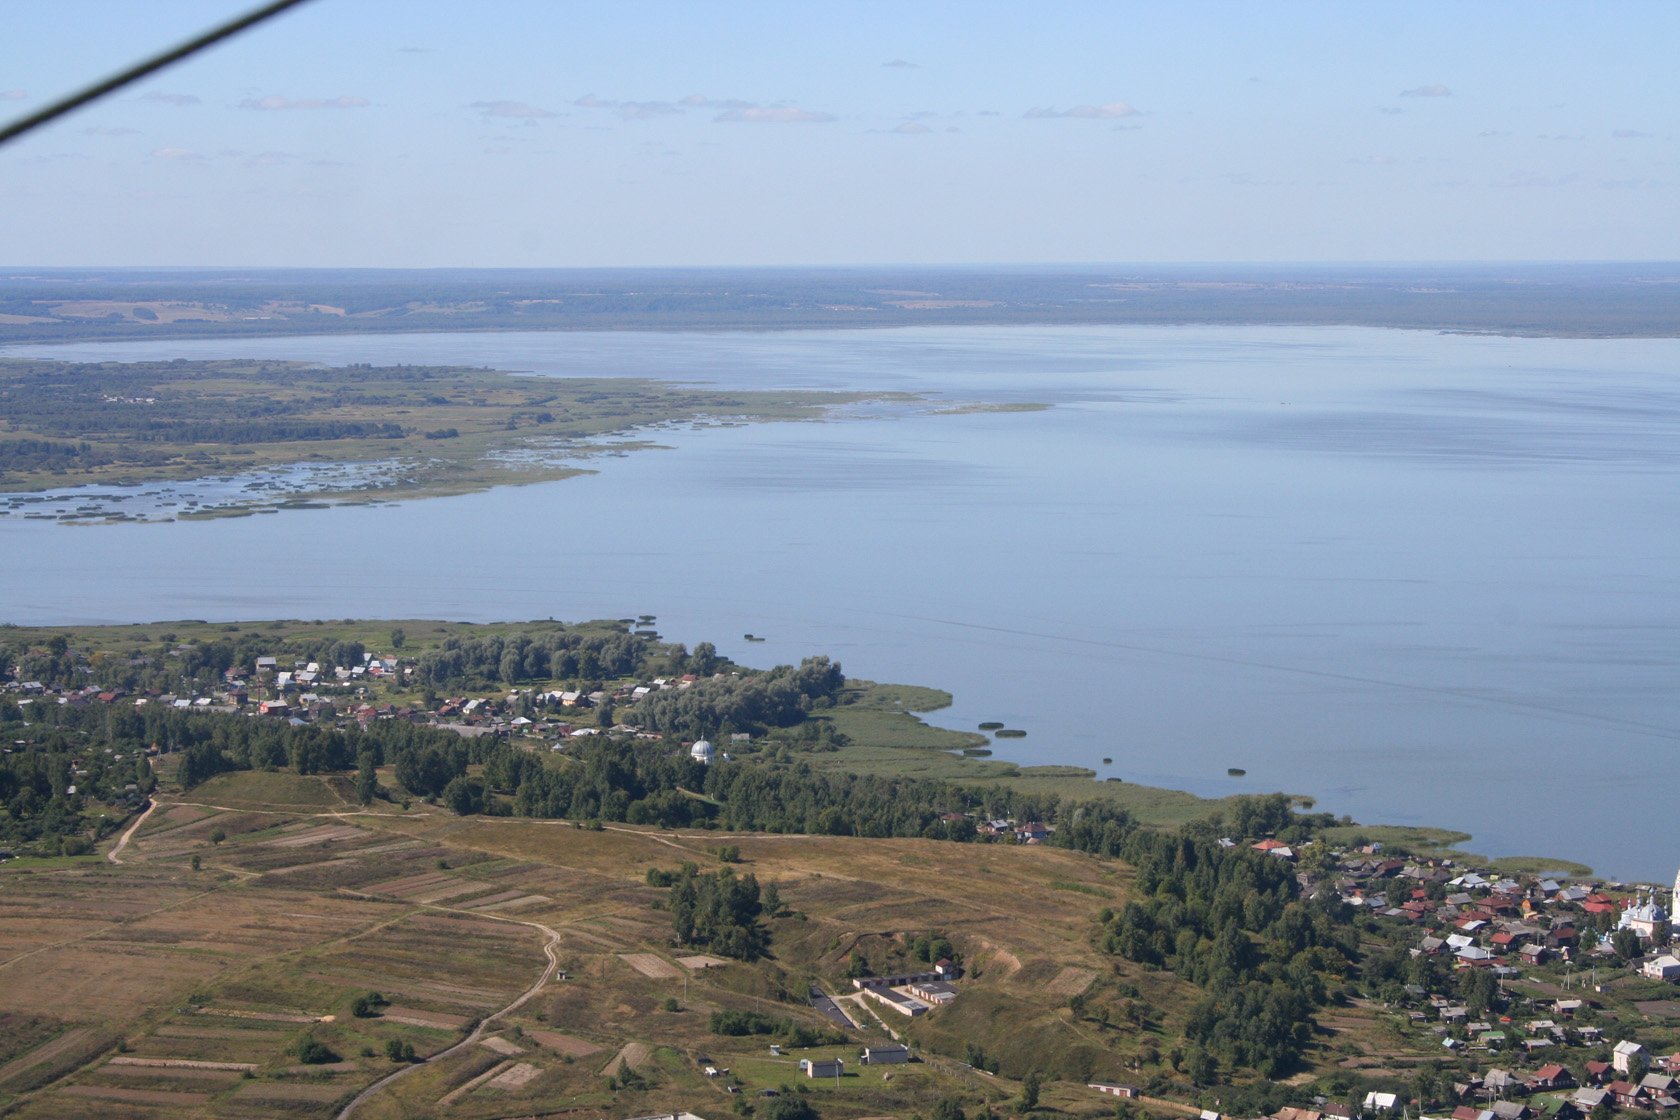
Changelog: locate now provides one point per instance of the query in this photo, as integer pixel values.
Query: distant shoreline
(1582, 300)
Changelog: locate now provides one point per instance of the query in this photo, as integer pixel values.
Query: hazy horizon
(650, 134)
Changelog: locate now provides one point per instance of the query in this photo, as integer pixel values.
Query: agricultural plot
(213, 978)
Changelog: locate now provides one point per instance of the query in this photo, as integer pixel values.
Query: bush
(314, 1052)
(399, 1051)
(367, 1006)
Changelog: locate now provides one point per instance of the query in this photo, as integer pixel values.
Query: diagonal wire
(141, 69)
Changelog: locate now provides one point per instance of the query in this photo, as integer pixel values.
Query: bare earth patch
(416, 1018)
(564, 1044)
(1069, 982)
(515, 1077)
(654, 968)
(700, 961)
(501, 1046)
(135, 1096)
(633, 1055)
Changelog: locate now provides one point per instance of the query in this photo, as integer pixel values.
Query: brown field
(299, 911)
(137, 1096)
(41, 1055)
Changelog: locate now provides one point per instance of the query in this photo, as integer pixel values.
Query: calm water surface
(1426, 579)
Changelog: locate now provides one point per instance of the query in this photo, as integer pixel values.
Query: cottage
(891, 1054)
(1381, 1102)
(822, 1067)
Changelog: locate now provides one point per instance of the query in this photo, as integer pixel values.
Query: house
(1598, 1072)
(1510, 1110)
(1381, 1102)
(1588, 1099)
(1665, 967)
(947, 969)
(1622, 1056)
(1659, 1085)
(1626, 1094)
(1500, 1082)
(823, 1067)
(890, 1054)
(1112, 1089)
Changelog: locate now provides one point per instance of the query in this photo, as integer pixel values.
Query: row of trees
(480, 662)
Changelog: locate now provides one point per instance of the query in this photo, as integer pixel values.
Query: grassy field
(885, 736)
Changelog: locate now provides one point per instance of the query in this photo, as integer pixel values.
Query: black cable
(140, 70)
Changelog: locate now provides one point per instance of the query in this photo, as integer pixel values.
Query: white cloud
(1427, 91)
(900, 64)
(274, 102)
(1113, 110)
(163, 98)
(1629, 134)
(13, 94)
(912, 128)
(1374, 161)
(631, 110)
(176, 153)
(775, 114)
(511, 110)
(1390, 110)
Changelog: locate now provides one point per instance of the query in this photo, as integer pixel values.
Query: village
(1541, 995)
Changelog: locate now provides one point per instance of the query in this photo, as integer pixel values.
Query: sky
(542, 133)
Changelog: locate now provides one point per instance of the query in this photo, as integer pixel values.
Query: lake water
(1424, 578)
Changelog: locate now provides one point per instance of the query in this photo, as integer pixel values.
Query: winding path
(128, 833)
(550, 950)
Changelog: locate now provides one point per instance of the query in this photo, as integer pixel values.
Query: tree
(367, 778)
(703, 662)
(464, 795)
(398, 638)
(948, 1109)
(1029, 1092)
(788, 1106)
(399, 1051)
